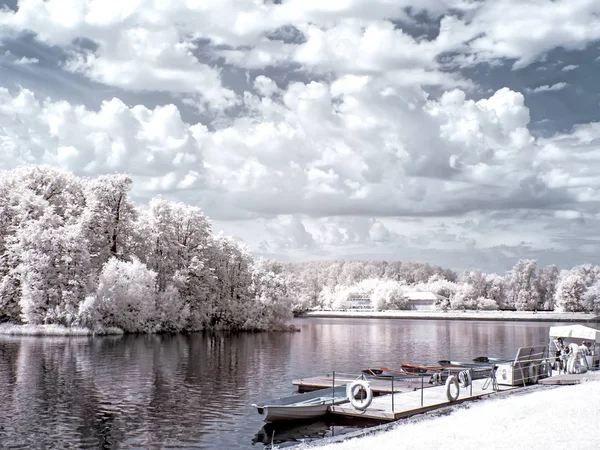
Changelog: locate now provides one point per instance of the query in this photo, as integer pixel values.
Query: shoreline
(11, 329)
(451, 424)
(504, 316)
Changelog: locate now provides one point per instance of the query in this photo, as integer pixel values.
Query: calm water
(195, 391)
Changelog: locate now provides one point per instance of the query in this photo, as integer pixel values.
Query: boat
(478, 370)
(414, 369)
(406, 371)
(308, 405)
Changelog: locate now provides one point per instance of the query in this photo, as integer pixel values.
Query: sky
(462, 133)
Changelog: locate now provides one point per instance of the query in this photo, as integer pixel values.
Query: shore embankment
(523, 316)
(564, 416)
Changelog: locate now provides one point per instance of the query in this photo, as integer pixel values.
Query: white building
(360, 302)
(423, 301)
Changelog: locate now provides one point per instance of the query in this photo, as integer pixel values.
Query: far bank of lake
(504, 316)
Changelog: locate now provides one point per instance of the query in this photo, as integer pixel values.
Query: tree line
(75, 251)
(525, 287)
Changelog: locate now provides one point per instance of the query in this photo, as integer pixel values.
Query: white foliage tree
(172, 311)
(273, 291)
(570, 289)
(176, 244)
(33, 199)
(591, 298)
(389, 294)
(464, 297)
(547, 279)
(108, 219)
(125, 297)
(522, 288)
(53, 269)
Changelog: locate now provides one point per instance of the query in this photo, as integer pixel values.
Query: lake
(195, 391)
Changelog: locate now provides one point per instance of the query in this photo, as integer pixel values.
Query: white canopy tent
(575, 332)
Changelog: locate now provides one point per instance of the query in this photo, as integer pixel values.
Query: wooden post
(392, 394)
(333, 389)
(471, 376)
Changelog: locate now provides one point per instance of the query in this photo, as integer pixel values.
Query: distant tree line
(523, 288)
(76, 251)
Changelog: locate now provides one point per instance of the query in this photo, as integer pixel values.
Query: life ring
(534, 373)
(464, 377)
(450, 382)
(354, 388)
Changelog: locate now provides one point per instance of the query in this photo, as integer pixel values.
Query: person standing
(584, 350)
(572, 362)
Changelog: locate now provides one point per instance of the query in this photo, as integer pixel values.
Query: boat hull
(277, 413)
(309, 405)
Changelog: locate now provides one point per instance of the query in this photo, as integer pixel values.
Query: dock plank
(409, 403)
(379, 386)
(570, 378)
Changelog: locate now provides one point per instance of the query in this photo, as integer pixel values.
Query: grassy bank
(51, 330)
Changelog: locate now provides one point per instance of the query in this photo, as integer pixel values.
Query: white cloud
(24, 60)
(20, 61)
(155, 145)
(570, 67)
(525, 31)
(547, 87)
(288, 232)
(344, 157)
(173, 46)
(368, 150)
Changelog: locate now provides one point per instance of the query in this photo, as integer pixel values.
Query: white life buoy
(534, 373)
(464, 377)
(352, 391)
(451, 383)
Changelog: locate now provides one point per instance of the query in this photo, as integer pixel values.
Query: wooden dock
(570, 378)
(378, 386)
(410, 403)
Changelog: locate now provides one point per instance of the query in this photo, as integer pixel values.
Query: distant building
(423, 301)
(359, 302)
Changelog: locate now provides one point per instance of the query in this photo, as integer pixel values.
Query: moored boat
(302, 406)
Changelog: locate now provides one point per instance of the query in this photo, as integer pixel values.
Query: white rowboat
(302, 406)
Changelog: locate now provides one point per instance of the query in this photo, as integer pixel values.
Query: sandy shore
(529, 316)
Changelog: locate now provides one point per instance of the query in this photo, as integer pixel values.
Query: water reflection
(195, 391)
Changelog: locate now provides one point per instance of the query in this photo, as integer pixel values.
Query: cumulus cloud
(288, 232)
(365, 150)
(525, 31)
(370, 126)
(155, 145)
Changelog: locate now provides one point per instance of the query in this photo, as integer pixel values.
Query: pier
(401, 405)
(378, 386)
